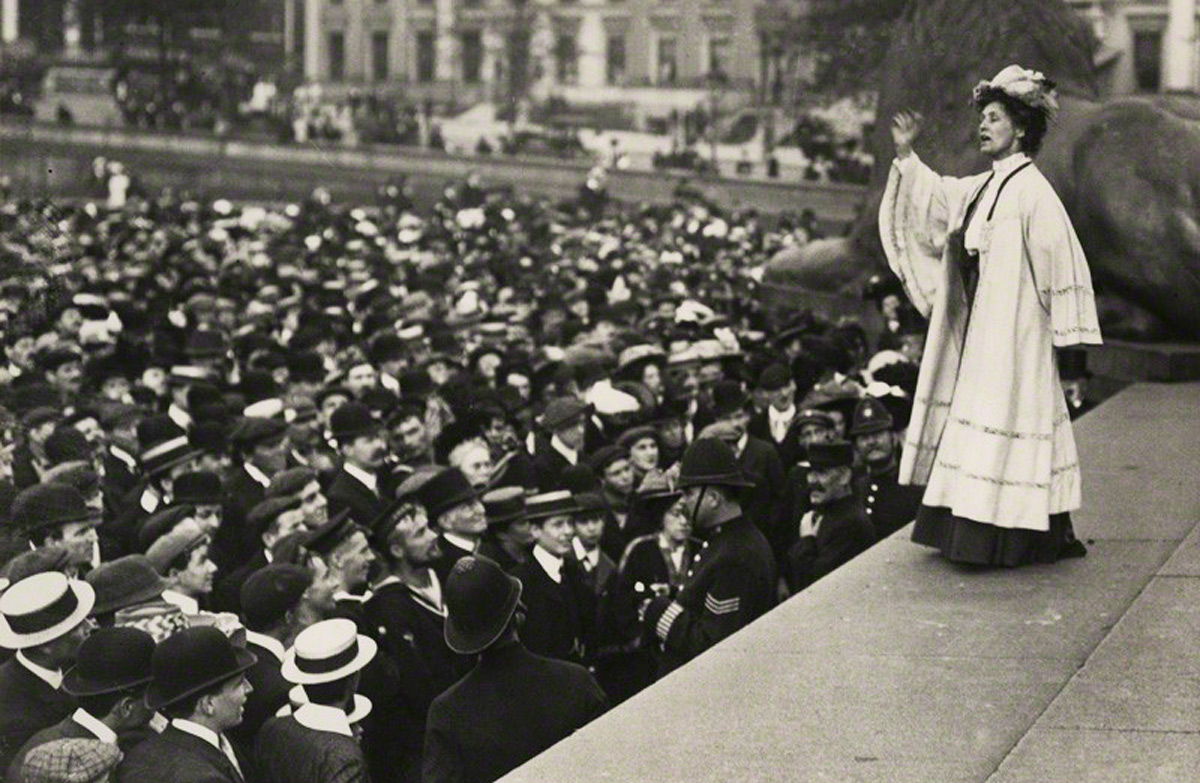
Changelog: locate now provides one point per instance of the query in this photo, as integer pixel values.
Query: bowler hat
(446, 490)
(605, 456)
(351, 420)
(710, 462)
(837, 454)
(192, 662)
(271, 592)
(774, 377)
(328, 651)
(290, 482)
(503, 505)
(42, 608)
(728, 398)
(871, 415)
(198, 488)
(480, 600)
(162, 522)
(46, 506)
(111, 660)
(126, 581)
(67, 444)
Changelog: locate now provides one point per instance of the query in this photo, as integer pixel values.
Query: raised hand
(906, 126)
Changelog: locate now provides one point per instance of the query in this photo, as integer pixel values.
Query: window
(566, 59)
(426, 58)
(615, 59)
(1147, 60)
(718, 55)
(472, 56)
(337, 55)
(379, 55)
(667, 70)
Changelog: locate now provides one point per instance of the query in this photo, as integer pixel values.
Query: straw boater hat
(327, 651)
(41, 608)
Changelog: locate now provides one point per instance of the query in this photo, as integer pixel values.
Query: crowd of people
(321, 493)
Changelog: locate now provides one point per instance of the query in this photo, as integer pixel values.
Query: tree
(846, 41)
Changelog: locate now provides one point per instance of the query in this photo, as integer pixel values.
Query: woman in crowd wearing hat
(652, 565)
(200, 685)
(44, 618)
(109, 683)
(990, 435)
(316, 743)
(644, 447)
(509, 538)
(492, 720)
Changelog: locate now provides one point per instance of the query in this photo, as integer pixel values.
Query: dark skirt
(963, 540)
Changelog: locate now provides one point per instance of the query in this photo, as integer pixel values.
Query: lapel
(359, 488)
(546, 586)
(203, 750)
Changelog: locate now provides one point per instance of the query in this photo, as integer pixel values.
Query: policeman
(888, 504)
(836, 530)
(731, 580)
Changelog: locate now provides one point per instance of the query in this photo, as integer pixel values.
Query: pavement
(903, 667)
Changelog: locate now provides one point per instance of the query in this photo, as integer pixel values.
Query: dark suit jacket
(27, 705)
(558, 623)
(548, 467)
(347, 492)
(410, 634)
(269, 694)
(178, 757)
(843, 534)
(234, 543)
(227, 594)
(451, 554)
(764, 503)
(288, 752)
(790, 450)
(511, 707)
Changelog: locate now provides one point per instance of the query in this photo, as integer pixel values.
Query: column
(590, 43)
(314, 41)
(10, 15)
(1179, 46)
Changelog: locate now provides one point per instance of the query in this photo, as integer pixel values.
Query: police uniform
(889, 504)
(730, 583)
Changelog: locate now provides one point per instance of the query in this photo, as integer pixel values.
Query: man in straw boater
(316, 743)
(731, 581)
(44, 618)
(513, 705)
(200, 684)
(109, 681)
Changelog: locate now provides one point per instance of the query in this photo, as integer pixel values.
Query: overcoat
(990, 434)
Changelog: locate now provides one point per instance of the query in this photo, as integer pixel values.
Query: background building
(1147, 46)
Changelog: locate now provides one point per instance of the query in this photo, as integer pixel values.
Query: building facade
(583, 51)
(1147, 46)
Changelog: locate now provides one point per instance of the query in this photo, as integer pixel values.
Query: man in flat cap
(836, 529)
(888, 504)
(565, 421)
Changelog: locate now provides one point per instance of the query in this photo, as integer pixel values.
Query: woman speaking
(994, 264)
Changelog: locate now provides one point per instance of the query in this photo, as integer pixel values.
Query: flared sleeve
(915, 217)
(1060, 270)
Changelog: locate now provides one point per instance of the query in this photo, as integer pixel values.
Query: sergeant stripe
(728, 606)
